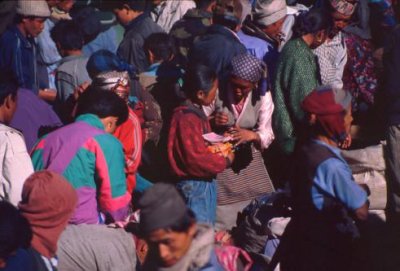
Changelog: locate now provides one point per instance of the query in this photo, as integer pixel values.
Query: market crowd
(193, 134)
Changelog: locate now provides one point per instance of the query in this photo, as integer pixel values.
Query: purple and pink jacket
(93, 162)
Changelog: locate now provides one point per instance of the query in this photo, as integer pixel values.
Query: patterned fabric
(92, 161)
(228, 257)
(344, 7)
(359, 76)
(111, 80)
(297, 75)
(332, 58)
(248, 67)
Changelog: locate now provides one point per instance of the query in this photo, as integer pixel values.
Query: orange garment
(130, 135)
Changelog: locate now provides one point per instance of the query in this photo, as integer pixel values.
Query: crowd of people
(192, 134)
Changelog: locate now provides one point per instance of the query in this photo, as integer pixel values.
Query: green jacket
(297, 75)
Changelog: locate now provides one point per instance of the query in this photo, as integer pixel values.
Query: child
(191, 161)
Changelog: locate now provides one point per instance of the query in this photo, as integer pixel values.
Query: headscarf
(48, 201)
(343, 7)
(110, 81)
(329, 106)
(248, 67)
(104, 61)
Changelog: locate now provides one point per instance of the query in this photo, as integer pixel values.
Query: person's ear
(200, 95)
(312, 118)
(192, 230)
(320, 36)
(151, 56)
(8, 101)
(127, 8)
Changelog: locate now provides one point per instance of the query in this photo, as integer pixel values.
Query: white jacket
(16, 165)
(170, 11)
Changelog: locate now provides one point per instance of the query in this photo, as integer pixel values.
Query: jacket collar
(91, 119)
(136, 21)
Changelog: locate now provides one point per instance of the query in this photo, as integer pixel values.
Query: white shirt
(170, 11)
(16, 165)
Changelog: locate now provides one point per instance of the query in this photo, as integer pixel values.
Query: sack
(252, 229)
(368, 167)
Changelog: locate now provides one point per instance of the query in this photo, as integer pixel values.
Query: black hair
(203, 4)
(15, 231)
(198, 77)
(68, 35)
(8, 86)
(312, 22)
(136, 5)
(102, 104)
(161, 45)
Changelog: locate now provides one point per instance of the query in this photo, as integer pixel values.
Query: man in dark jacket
(193, 24)
(392, 96)
(17, 44)
(138, 26)
(220, 44)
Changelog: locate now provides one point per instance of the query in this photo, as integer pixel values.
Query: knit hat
(247, 67)
(343, 7)
(267, 12)
(161, 206)
(329, 105)
(35, 8)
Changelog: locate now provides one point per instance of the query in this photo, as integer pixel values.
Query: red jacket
(130, 135)
(187, 150)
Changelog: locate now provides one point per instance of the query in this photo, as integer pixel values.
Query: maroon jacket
(187, 150)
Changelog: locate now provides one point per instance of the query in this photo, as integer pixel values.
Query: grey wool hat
(35, 8)
(267, 12)
(161, 207)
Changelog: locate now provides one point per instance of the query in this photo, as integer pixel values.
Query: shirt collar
(92, 120)
(335, 150)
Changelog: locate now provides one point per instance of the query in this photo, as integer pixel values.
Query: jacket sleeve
(113, 196)
(17, 166)
(10, 58)
(131, 138)
(188, 152)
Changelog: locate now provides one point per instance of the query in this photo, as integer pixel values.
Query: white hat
(267, 12)
(35, 8)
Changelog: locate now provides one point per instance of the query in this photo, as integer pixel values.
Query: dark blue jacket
(18, 56)
(216, 48)
(131, 46)
(392, 78)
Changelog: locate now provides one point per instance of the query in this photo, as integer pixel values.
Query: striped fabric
(251, 181)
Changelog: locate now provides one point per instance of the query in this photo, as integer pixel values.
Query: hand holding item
(223, 149)
(346, 143)
(240, 135)
(80, 89)
(221, 119)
